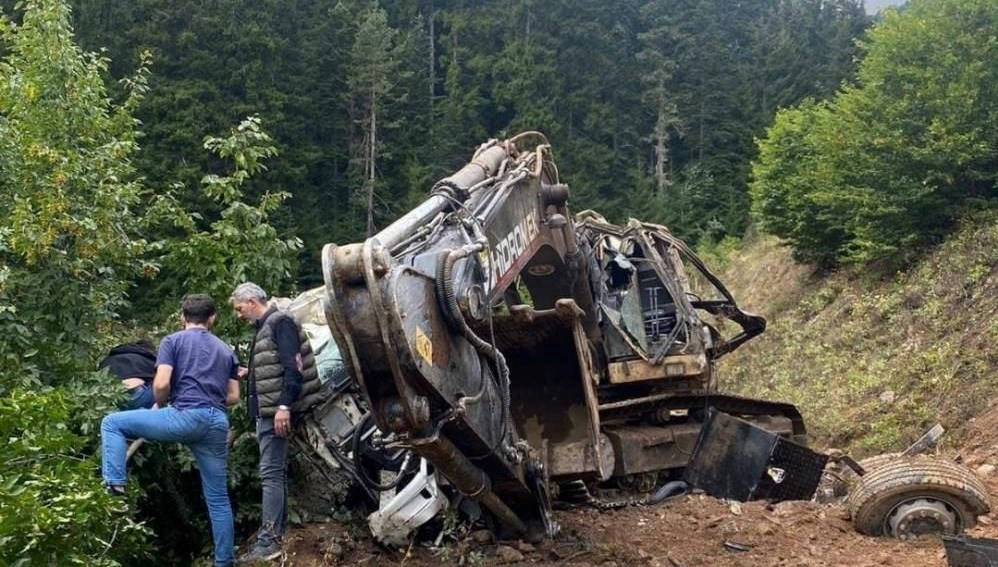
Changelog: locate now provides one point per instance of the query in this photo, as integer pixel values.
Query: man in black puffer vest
(282, 382)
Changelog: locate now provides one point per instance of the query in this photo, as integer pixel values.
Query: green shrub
(78, 229)
(884, 168)
(53, 507)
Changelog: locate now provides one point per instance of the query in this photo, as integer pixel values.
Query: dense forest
(149, 149)
(651, 105)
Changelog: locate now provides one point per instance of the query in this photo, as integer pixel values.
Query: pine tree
(372, 78)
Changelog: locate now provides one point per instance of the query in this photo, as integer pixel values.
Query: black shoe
(261, 551)
(116, 491)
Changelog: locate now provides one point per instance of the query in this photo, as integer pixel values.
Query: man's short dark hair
(197, 308)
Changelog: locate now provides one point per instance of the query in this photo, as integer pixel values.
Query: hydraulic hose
(452, 312)
(576, 493)
(667, 491)
(358, 463)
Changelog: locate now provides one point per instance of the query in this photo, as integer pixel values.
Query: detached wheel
(847, 479)
(913, 496)
(875, 462)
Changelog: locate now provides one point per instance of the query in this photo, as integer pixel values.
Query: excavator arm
(403, 304)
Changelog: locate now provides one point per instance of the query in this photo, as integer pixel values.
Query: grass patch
(873, 362)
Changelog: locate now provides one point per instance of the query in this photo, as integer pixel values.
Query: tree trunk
(661, 134)
(371, 166)
(433, 61)
(703, 97)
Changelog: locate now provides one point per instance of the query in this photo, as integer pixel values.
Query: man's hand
(282, 422)
(242, 372)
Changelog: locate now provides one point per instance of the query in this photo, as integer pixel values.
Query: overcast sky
(874, 6)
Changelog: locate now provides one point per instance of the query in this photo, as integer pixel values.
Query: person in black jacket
(135, 365)
(281, 379)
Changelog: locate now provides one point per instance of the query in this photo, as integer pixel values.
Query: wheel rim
(919, 516)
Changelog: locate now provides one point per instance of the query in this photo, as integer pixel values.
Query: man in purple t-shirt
(197, 374)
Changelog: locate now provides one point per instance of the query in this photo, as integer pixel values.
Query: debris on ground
(689, 531)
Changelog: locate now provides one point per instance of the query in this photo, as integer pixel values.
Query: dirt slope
(691, 531)
(873, 357)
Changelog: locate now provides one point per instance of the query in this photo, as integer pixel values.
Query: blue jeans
(204, 432)
(273, 481)
(140, 397)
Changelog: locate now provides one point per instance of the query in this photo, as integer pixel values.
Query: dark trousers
(273, 479)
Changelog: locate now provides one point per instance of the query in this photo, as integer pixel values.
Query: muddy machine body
(517, 348)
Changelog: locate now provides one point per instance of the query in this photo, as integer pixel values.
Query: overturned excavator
(516, 349)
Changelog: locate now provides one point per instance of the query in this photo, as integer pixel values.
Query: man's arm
(232, 394)
(286, 337)
(161, 384)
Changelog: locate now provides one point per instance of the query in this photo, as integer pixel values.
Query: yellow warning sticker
(423, 346)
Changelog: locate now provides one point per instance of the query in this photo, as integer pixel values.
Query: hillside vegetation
(148, 150)
(873, 361)
(882, 170)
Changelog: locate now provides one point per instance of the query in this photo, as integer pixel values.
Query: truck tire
(911, 496)
(875, 462)
(843, 479)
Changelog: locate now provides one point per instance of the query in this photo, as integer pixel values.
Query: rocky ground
(693, 530)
